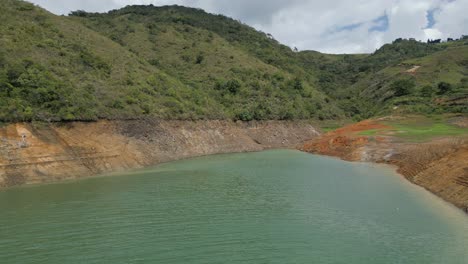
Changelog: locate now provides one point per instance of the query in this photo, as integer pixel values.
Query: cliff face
(31, 154)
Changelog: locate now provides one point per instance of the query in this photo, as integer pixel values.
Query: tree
(428, 91)
(244, 115)
(79, 13)
(464, 82)
(200, 58)
(444, 88)
(297, 84)
(233, 86)
(3, 80)
(403, 87)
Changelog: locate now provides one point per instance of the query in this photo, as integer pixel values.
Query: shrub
(233, 86)
(186, 58)
(297, 84)
(25, 6)
(428, 91)
(118, 104)
(444, 88)
(244, 116)
(92, 61)
(199, 59)
(154, 62)
(79, 13)
(403, 87)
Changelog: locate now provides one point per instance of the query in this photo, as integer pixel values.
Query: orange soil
(440, 166)
(344, 141)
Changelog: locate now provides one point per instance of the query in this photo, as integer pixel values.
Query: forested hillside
(55, 68)
(182, 63)
(403, 77)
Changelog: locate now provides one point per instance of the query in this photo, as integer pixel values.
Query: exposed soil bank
(73, 150)
(440, 166)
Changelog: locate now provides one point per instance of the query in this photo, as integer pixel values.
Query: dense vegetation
(383, 82)
(182, 63)
(432, 84)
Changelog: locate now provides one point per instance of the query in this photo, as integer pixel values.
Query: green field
(422, 133)
(418, 129)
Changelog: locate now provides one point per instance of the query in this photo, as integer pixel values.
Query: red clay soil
(345, 141)
(359, 127)
(440, 166)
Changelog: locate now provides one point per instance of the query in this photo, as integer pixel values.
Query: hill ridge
(175, 62)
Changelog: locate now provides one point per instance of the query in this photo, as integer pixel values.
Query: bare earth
(53, 152)
(414, 69)
(440, 166)
(57, 152)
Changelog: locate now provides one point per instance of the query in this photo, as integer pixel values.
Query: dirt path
(414, 69)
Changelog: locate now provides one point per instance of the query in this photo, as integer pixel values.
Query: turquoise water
(270, 207)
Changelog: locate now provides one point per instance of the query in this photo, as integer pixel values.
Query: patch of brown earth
(344, 142)
(56, 152)
(440, 166)
(414, 69)
(460, 121)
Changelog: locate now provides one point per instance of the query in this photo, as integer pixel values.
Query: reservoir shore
(439, 165)
(44, 153)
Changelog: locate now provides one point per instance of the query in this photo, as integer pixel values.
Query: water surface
(270, 207)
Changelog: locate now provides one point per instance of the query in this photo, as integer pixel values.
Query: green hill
(401, 77)
(55, 68)
(175, 62)
(432, 84)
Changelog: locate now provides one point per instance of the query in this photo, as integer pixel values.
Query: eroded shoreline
(439, 166)
(55, 152)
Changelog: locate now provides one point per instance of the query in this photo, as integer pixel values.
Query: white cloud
(333, 26)
(452, 19)
(65, 6)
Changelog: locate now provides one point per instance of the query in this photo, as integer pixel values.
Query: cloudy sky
(332, 26)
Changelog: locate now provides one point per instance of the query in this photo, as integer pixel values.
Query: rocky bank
(41, 153)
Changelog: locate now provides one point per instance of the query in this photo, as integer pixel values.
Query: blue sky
(380, 24)
(332, 26)
(430, 17)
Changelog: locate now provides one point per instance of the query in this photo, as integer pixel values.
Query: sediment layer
(42, 153)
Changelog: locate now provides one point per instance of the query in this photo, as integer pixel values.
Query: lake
(278, 206)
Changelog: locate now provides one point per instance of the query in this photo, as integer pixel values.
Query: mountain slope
(175, 62)
(200, 50)
(54, 68)
(400, 77)
(431, 84)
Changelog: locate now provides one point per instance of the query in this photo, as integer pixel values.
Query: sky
(330, 26)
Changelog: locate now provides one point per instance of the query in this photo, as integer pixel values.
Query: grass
(424, 132)
(332, 125)
(329, 129)
(418, 129)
